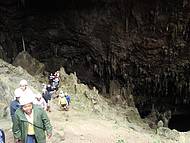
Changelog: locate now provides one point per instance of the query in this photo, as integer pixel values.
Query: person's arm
(44, 104)
(12, 111)
(47, 124)
(16, 129)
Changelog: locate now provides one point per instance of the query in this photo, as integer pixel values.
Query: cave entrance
(180, 122)
(180, 117)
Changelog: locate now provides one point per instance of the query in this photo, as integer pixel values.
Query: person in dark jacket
(47, 97)
(68, 97)
(2, 136)
(31, 123)
(14, 105)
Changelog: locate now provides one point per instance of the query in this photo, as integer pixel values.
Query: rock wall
(142, 44)
(10, 77)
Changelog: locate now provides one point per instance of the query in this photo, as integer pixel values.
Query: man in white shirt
(39, 100)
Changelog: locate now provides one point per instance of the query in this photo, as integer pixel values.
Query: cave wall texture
(136, 45)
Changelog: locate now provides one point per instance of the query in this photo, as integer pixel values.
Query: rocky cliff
(138, 47)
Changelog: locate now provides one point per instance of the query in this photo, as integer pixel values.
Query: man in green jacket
(31, 122)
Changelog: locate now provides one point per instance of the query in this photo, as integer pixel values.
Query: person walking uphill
(31, 123)
(14, 105)
(24, 89)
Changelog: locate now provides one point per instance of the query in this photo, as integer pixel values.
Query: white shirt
(41, 103)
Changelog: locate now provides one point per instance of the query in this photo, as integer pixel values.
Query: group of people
(30, 120)
(64, 98)
(54, 80)
(28, 111)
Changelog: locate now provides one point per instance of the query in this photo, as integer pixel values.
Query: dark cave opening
(180, 115)
(157, 95)
(180, 122)
(180, 118)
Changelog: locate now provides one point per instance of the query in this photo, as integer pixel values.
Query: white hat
(61, 94)
(23, 82)
(25, 100)
(18, 93)
(38, 95)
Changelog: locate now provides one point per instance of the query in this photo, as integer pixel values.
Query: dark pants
(2, 136)
(31, 139)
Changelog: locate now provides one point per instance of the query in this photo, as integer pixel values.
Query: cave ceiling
(142, 44)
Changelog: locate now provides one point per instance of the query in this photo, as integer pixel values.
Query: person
(14, 105)
(56, 80)
(40, 101)
(68, 97)
(24, 89)
(51, 77)
(47, 97)
(31, 123)
(63, 101)
(2, 136)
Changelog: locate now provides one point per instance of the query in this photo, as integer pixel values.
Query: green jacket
(41, 124)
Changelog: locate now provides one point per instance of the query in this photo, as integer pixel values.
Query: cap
(23, 82)
(43, 84)
(25, 100)
(18, 93)
(38, 95)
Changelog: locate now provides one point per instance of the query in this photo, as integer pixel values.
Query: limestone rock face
(26, 61)
(10, 77)
(170, 134)
(143, 45)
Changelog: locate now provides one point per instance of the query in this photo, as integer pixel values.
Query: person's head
(38, 96)
(17, 95)
(23, 84)
(61, 94)
(66, 93)
(17, 99)
(26, 104)
(43, 85)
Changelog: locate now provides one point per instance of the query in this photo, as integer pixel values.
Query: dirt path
(77, 127)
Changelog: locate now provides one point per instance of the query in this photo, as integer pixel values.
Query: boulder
(30, 64)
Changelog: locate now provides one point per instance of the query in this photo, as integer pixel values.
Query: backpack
(2, 136)
(63, 101)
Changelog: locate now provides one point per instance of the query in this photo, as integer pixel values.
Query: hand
(18, 141)
(49, 135)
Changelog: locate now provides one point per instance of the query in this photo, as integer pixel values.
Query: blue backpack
(2, 136)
